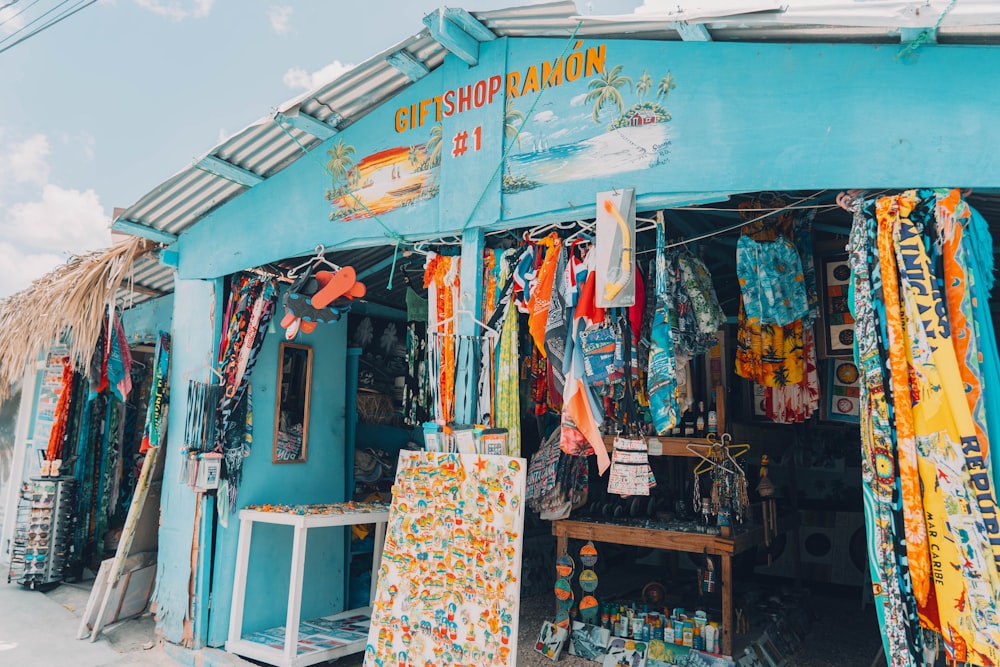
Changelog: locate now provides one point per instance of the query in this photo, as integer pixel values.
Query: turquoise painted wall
(142, 323)
(319, 480)
(742, 117)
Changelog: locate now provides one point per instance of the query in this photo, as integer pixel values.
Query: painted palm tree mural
(643, 85)
(382, 181)
(513, 121)
(666, 85)
(630, 112)
(339, 165)
(606, 91)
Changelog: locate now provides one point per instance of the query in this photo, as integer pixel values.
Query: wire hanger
(716, 446)
(317, 260)
(487, 328)
(538, 233)
(208, 364)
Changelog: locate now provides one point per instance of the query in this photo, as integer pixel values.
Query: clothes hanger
(208, 364)
(538, 233)
(471, 315)
(707, 461)
(313, 262)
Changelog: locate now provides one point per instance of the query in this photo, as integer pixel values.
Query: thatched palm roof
(74, 299)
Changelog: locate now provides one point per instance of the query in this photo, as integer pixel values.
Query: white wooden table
(292, 654)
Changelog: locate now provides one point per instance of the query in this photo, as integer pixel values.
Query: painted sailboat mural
(382, 181)
(551, 147)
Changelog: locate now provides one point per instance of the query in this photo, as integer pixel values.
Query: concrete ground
(39, 630)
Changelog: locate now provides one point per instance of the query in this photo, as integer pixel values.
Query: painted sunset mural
(382, 181)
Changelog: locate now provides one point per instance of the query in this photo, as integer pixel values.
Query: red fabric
(587, 306)
(58, 433)
(638, 311)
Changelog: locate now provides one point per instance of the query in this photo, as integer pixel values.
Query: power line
(23, 10)
(82, 4)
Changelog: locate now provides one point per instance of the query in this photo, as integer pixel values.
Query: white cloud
(18, 269)
(11, 19)
(297, 77)
(578, 100)
(26, 162)
(280, 17)
(546, 116)
(62, 221)
(559, 133)
(178, 10)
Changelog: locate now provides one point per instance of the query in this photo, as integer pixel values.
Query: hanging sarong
(582, 413)
(507, 401)
(557, 324)
(541, 294)
(661, 380)
(900, 627)
(251, 304)
(58, 433)
(157, 394)
(917, 554)
(441, 279)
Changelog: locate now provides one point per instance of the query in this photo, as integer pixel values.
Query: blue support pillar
(195, 313)
(471, 282)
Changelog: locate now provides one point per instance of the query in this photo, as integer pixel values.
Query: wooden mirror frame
(284, 350)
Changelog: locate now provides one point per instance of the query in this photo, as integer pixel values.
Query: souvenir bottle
(712, 422)
(699, 420)
(687, 421)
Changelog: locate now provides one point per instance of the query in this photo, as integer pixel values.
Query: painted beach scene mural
(383, 181)
(620, 123)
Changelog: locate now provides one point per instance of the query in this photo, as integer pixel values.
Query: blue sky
(103, 107)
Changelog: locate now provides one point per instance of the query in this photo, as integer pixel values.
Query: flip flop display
(319, 298)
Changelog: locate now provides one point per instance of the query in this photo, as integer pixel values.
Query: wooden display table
(319, 640)
(747, 537)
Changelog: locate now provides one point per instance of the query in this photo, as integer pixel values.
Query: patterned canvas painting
(449, 583)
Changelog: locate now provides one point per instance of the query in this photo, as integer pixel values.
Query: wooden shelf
(677, 446)
(670, 446)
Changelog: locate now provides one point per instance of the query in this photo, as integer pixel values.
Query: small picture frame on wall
(836, 337)
(842, 398)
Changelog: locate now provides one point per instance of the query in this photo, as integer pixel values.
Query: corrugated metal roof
(151, 279)
(266, 147)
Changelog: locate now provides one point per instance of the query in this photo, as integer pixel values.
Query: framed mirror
(291, 414)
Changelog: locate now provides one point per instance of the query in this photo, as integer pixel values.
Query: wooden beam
(229, 171)
(141, 289)
(408, 65)
(692, 32)
(142, 231)
(452, 37)
(306, 123)
(469, 24)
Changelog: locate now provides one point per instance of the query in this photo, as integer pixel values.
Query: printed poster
(450, 579)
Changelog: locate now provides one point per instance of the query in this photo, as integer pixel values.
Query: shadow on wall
(8, 426)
